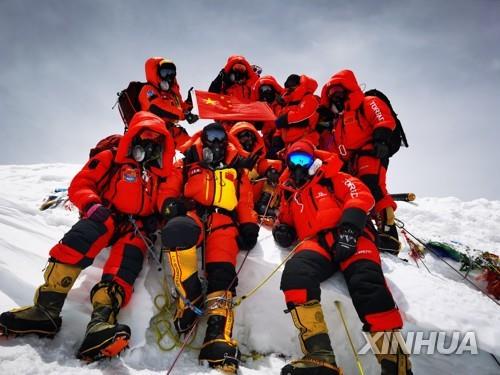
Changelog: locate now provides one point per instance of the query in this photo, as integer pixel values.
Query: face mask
(337, 101)
(267, 94)
(238, 77)
(146, 151)
(247, 140)
(300, 165)
(164, 85)
(214, 153)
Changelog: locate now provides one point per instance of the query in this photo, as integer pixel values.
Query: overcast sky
(62, 62)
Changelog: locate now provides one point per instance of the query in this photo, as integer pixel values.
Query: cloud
(63, 62)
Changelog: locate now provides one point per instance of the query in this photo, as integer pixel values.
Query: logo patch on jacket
(130, 175)
(150, 93)
(194, 171)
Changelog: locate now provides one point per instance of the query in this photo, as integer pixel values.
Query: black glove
(279, 99)
(276, 145)
(191, 117)
(97, 212)
(273, 176)
(173, 207)
(248, 234)
(325, 114)
(189, 99)
(346, 238)
(284, 235)
(381, 138)
(281, 121)
(381, 150)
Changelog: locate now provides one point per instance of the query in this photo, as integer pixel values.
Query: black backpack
(398, 137)
(128, 101)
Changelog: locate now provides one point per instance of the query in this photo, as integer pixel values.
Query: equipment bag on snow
(128, 101)
(398, 137)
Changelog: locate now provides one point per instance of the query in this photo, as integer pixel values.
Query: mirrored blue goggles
(213, 135)
(300, 158)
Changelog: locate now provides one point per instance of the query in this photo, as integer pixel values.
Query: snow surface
(440, 300)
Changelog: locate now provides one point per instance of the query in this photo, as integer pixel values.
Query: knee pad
(180, 232)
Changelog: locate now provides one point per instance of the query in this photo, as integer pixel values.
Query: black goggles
(266, 89)
(246, 136)
(167, 72)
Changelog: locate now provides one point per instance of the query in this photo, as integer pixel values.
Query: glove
(248, 234)
(97, 212)
(284, 235)
(189, 99)
(191, 117)
(282, 121)
(380, 150)
(280, 100)
(272, 176)
(173, 207)
(325, 114)
(276, 145)
(346, 239)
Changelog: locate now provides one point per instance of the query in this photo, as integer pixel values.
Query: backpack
(128, 101)
(109, 143)
(398, 136)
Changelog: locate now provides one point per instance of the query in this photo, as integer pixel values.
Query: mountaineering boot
(43, 318)
(186, 314)
(390, 353)
(104, 336)
(219, 349)
(189, 303)
(314, 341)
(388, 233)
(266, 205)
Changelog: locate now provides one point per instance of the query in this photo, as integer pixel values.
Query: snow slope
(440, 300)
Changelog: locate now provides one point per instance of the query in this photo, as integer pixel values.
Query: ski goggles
(240, 68)
(167, 72)
(266, 89)
(300, 158)
(215, 135)
(337, 92)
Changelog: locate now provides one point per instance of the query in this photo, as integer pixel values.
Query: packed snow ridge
(439, 300)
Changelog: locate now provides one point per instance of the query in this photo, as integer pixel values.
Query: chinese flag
(224, 107)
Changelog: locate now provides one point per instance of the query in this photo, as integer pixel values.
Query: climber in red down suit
(326, 211)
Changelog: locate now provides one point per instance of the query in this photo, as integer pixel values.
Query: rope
(358, 362)
(146, 241)
(445, 262)
(415, 252)
(266, 279)
(161, 323)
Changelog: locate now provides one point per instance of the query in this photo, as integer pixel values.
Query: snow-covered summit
(440, 300)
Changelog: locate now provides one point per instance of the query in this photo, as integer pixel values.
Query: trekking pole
(184, 344)
(146, 242)
(338, 305)
(445, 262)
(404, 197)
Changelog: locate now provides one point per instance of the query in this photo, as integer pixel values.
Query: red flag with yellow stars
(225, 107)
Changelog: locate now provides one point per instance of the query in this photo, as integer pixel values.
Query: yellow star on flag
(211, 101)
